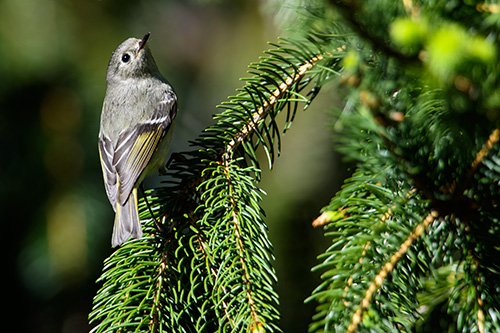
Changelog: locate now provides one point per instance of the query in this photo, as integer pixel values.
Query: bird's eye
(125, 57)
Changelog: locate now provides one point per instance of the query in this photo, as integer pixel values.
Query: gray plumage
(136, 126)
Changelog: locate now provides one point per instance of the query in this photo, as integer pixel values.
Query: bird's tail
(127, 221)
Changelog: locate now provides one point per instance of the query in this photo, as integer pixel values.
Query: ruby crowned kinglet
(137, 114)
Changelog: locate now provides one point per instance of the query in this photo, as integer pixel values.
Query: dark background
(56, 217)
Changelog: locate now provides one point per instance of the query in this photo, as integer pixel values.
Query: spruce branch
(203, 247)
(271, 101)
(479, 300)
(485, 150)
(449, 206)
(387, 269)
(420, 180)
(235, 215)
(412, 127)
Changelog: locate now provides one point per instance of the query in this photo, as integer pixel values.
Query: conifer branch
(225, 306)
(492, 140)
(387, 215)
(480, 303)
(162, 267)
(433, 146)
(480, 156)
(387, 268)
(241, 248)
(263, 111)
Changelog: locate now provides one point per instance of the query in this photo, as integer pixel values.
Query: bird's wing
(106, 153)
(136, 146)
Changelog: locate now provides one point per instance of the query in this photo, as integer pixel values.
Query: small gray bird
(136, 127)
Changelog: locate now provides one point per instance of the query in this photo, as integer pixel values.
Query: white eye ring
(125, 57)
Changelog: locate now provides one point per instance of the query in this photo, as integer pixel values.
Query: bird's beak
(142, 43)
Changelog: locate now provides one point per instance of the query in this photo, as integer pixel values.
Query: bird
(136, 126)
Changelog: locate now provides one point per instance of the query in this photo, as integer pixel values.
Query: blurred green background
(53, 58)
